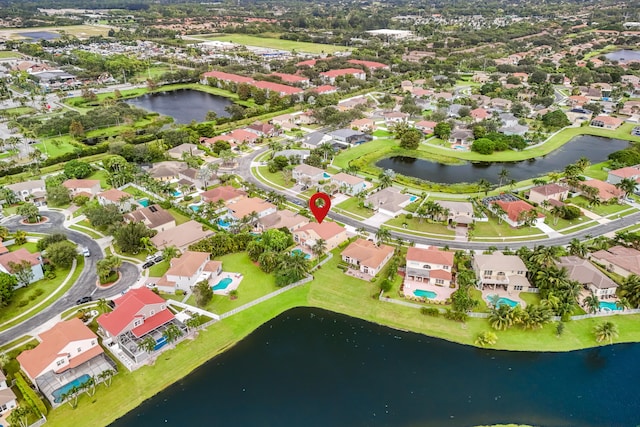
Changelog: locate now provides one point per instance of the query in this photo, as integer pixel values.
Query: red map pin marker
(320, 211)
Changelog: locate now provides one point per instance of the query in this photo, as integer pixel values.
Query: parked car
(148, 264)
(83, 300)
(86, 252)
(158, 258)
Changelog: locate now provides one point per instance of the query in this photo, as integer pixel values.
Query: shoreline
(129, 390)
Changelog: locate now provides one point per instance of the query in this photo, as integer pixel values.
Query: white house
(34, 190)
(348, 184)
(186, 271)
(19, 255)
(497, 269)
(7, 397)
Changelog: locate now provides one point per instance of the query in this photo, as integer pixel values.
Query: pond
(624, 55)
(40, 35)
(595, 148)
(183, 105)
(309, 367)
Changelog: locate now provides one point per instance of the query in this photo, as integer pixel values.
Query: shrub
(430, 311)
(29, 395)
(457, 316)
(38, 292)
(409, 216)
(386, 285)
(23, 303)
(187, 198)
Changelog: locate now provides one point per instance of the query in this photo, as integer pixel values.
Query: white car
(86, 252)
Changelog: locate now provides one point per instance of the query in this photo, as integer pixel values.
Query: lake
(595, 148)
(624, 55)
(40, 35)
(183, 105)
(309, 367)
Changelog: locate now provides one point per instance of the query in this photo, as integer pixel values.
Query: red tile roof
(628, 172)
(325, 231)
(277, 87)
(127, 308)
(17, 256)
(80, 183)
(114, 195)
(369, 64)
(242, 135)
(290, 78)
(608, 120)
(430, 255)
(342, 72)
(324, 89)
(228, 77)
(225, 193)
(151, 323)
(514, 209)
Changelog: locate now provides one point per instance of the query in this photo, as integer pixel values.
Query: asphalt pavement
(84, 286)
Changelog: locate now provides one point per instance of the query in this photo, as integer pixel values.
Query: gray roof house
(582, 271)
(314, 139)
(389, 200)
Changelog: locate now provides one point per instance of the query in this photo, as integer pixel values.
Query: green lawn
(382, 133)
(563, 223)
(17, 111)
(55, 147)
(274, 177)
(423, 226)
(158, 270)
(602, 210)
(275, 43)
(530, 298)
(5, 54)
(180, 217)
(493, 229)
(353, 205)
(255, 284)
(30, 246)
(28, 294)
(90, 233)
(140, 256)
(102, 176)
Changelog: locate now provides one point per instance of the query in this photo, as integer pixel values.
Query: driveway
(84, 286)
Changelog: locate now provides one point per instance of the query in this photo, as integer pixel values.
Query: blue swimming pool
(459, 147)
(502, 300)
(608, 306)
(413, 198)
(144, 202)
(195, 208)
(177, 193)
(160, 343)
(298, 251)
(424, 294)
(57, 394)
(222, 223)
(326, 175)
(222, 284)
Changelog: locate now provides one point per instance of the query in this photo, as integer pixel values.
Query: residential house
(369, 64)
(180, 150)
(363, 125)
(460, 213)
(285, 121)
(349, 137)
(241, 136)
(463, 137)
(393, 117)
(389, 201)
(351, 103)
(332, 234)
(577, 100)
(426, 126)
(186, 271)
(181, 236)
(501, 104)
(19, 255)
(584, 272)
(34, 191)
(165, 171)
(226, 78)
(547, 192)
(606, 122)
(294, 156)
(324, 89)
(263, 129)
(292, 79)
(225, 193)
(479, 114)
(87, 187)
(367, 257)
(308, 175)
(515, 212)
(154, 217)
(619, 259)
(497, 269)
(280, 89)
(429, 266)
(630, 172)
(282, 219)
(8, 400)
(66, 352)
(348, 184)
(606, 191)
(315, 139)
(191, 178)
(123, 200)
(332, 75)
(247, 206)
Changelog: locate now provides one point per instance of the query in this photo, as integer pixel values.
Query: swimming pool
(326, 175)
(222, 284)
(144, 202)
(57, 394)
(195, 208)
(608, 306)
(298, 251)
(459, 147)
(501, 301)
(413, 198)
(222, 223)
(160, 343)
(177, 193)
(424, 294)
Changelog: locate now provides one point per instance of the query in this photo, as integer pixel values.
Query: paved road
(244, 170)
(84, 286)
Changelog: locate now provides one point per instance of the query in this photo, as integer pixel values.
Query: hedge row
(30, 396)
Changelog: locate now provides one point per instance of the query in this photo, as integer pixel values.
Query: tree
(58, 195)
(29, 212)
(4, 360)
(103, 217)
(106, 266)
(129, 237)
(20, 416)
(442, 130)
(606, 331)
(319, 248)
(203, 293)
(148, 344)
(76, 129)
(20, 237)
(502, 175)
(486, 338)
(499, 211)
(630, 291)
(22, 271)
(292, 267)
(61, 254)
(147, 245)
(383, 235)
(484, 185)
(7, 285)
(627, 185)
(501, 318)
(77, 169)
(386, 178)
(106, 376)
(410, 140)
(172, 333)
(593, 303)
(170, 252)
(103, 305)
(555, 119)
(578, 247)
(483, 146)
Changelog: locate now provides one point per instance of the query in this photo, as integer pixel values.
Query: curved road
(84, 286)
(244, 170)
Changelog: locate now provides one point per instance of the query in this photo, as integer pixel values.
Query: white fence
(193, 309)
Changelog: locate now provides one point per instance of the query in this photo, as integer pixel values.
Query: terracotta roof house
(548, 191)
(501, 103)
(34, 190)
(76, 187)
(348, 184)
(606, 122)
(427, 266)
(369, 64)
(7, 396)
(263, 129)
(426, 126)
(582, 271)
(154, 217)
(307, 63)
(192, 149)
(514, 211)
(577, 100)
(389, 201)
(619, 259)
(307, 175)
(19, 255)
(395, 117)
(242, 135)
(497, 269)
(363, 125)
(292, 78)
(225, 193)
(606, 191)
(479, 114)
(227, 77)
(247, 205)
(282, 219)
(332, 75)
(367, 257)
(189, 269)
(282, 90)
(181, 236)
(629, 172)
(332, 233)
(324, 89)
(123, 200)
(68, 347)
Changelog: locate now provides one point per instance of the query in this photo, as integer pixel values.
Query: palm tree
(326, 149)
(319, 248)
(106, 376)
(606, 331)
(591, 193)
(20, 415)
(630, 291)
(627, 185)
(296, 264)
(484, 185)
(583, 163)
(545, 256)
(555, 176)
(383, 235)
(499, 212)
(103, 306)
(148, 344)
(486, 338)
(362, 231)
(502, 175)
(147, 245)
(593, 303)
(501, 318)
(385, 180)
(89, 386)
(578, 247)
(172, 333)
(170, 252)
